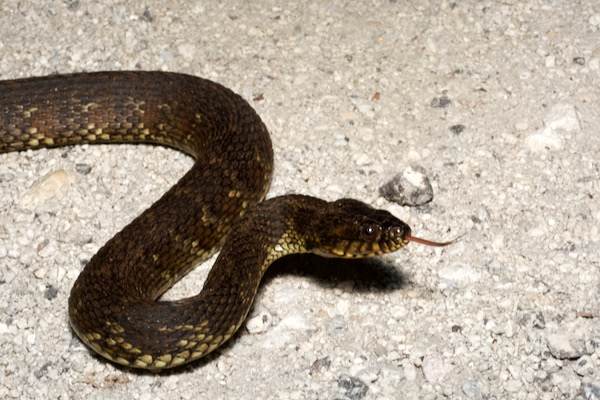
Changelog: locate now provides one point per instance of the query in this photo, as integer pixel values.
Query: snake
(115, 304)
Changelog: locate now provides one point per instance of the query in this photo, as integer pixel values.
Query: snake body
(114, 306)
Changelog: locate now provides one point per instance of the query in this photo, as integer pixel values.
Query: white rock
(522, 126)
(435, 369)
(458, 273)
(584, 366)
(260, 323)
(513, 385)
(410, 372)
(363, 159)
(294, 323)
(40, 272)
(566, 346)
(48, 250)
(187, 50)
(562, 116)
(48, 187)
(544, 139)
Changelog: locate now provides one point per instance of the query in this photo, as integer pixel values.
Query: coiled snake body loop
(113, 305)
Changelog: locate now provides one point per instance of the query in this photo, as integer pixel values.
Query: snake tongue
(428, 242)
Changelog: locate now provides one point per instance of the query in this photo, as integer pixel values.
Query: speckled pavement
(498, 102)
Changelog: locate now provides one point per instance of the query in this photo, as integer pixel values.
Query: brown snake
(113, 305)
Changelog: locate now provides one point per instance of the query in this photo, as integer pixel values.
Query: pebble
(353, 388)
(590, 391)
(409, 371)
(584, 366)
(472, 389)
(337, 324)
(513, 385)
(48, 250)
(562, 116)
(565, 346)
(440, 102)
(544, 139)
(83, 168)
(187, 50)
(363, 159)
(411, 187)
(40, 272)
(260, 323)
(455, 273)
(46, 188)
(435, 369)
(367, 375)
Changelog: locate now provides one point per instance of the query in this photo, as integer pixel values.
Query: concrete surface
(497, 101)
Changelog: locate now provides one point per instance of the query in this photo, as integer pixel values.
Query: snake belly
(113, 306)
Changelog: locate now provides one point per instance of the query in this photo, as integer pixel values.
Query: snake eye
(368, 232)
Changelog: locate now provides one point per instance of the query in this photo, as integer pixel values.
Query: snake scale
(114, 305)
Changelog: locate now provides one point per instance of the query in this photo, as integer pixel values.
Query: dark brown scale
(113, 305)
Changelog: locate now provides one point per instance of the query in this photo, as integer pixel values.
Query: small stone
(584, 366)
(83, 169)
(187, 50)
(440, 102)
(544, 139)
(48, 187)
(337, 324)
(40, 272)
(522, 126)
(409, 188)
(564, 346)
(457, 129)
(510, 328)
(367, 375)
(260, 323)
(590, 391)
(48, 250)
(435, 369)
(353, 388)
(458, 274)
(363, 159)
(513, 386)
(472, 389)
(562, 116)
(50, 293)
(448, 391)
(595, 20)
(410, 372)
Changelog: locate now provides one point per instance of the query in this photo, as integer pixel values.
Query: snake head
(352, 229)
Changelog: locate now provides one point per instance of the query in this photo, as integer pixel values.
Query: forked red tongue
(429, 242)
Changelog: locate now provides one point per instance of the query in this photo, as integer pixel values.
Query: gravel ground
(497, 102)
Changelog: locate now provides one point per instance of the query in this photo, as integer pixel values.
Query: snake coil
(113, 305)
